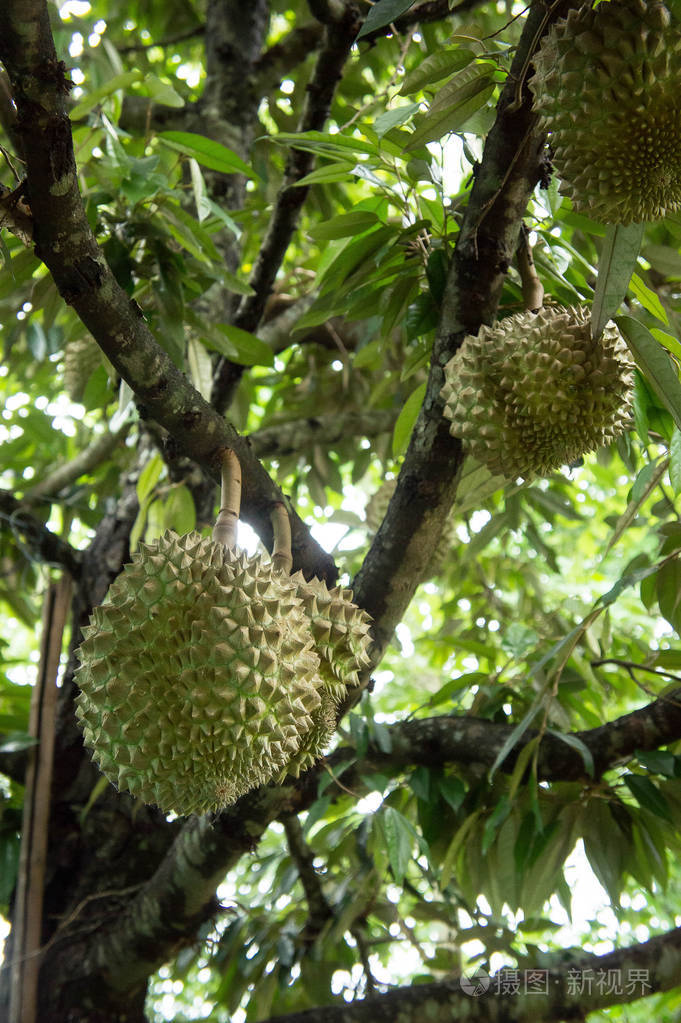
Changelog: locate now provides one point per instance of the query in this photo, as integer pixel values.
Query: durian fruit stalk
(535, 391)
(199, 678)
(341, 634)
(606, 86)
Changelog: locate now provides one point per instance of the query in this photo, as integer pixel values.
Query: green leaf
(179, 512)
(648, 298)
(162, 92)
(13, 742)
(382, 13)
(207, 152)
(435, 67)
(149, 477)
(122, 81)
(345, 225)
(514, 738)
(616, 265)
(393, 118)
(399, 837)
(648, 796)
(453, 791)
(456, 102)
(657, 366)
(670, 343)
(240, 346)
(494, 822)
(406, 419)
(10, 844)
(576, 744)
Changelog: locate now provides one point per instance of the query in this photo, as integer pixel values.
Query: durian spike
(533, 289)
(282, 559)
(227, 521)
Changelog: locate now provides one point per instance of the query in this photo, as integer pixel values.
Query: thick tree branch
(337, 41)
(564, 992)
(40, 541)
(484, 249)
(301, 434)
(65, 242)
(438, 741)
(182, 892)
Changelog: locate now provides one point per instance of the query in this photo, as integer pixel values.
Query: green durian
(342, 638)
(199, 677)
(535, 391)
(606, 87)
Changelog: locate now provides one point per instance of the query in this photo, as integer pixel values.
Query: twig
(88, 459)
(191, 33)
(632, 666)
(41, 542)
(320, 912)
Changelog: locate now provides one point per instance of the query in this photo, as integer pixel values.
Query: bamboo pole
(28, 911)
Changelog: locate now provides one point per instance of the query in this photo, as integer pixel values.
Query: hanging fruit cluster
(606, 87)
(206, 672)
(536, 391)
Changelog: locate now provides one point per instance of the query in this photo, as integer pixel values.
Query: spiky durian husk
(199, 677)
(341, 633)
(315, 740)
(606, 85)
(375, 512)
(81, 358)
(535, 392)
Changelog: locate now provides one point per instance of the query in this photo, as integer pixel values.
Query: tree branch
(485, 246)
(87, 460)
(567, 991)
(438, 741)
(182, 892)
(421, 14)
(299, 435)
(320, 912)
(67, 245)
(337, 42)
(41, 541)
(290, 51)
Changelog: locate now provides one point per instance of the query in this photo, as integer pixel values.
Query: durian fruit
(342, 637)
(535, 391)
(81, 358)
(199, 678)
(606, 86)
(375, 511)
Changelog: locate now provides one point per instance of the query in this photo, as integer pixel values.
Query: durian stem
(227, 521)
(533, 289)
(282, 558)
